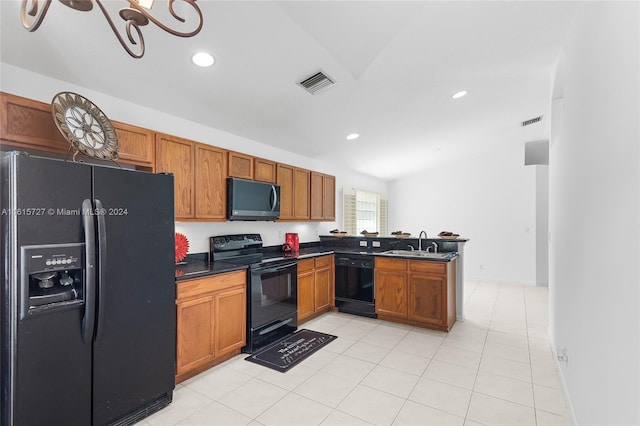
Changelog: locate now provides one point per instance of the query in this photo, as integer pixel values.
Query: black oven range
(272, 296)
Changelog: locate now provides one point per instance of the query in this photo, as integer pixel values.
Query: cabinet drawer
(305, 265)
(323, 262)
(428, 267)
(391, 264)
(196, 287)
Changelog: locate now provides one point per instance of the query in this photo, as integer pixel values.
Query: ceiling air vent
(531, 121)
(316, 82)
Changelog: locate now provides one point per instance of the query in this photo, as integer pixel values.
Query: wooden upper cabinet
(210, 182)
(264, 170)
(285, 180)
(176, 155)
(240, 165)
(323, 197)
(26, 123)
(136, 144)
(301, 198)
(317, 208)
(329, 197)
(29, 124)
(294, 192)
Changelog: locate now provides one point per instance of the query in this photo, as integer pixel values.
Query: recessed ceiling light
(459, 94)
(203, 59)
(353, 136)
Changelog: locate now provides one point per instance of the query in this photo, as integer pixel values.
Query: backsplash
(272, 233)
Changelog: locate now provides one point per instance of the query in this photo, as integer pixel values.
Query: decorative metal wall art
(32, 13)
(85, 126)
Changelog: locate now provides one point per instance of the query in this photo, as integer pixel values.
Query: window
(364, 210)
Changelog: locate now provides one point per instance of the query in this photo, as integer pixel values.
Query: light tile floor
(495, 368)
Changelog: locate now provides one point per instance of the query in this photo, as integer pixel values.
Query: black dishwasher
(355, 292)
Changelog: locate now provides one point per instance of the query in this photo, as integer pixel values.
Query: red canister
(291, 239)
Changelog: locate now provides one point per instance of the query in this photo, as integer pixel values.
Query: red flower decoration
(182, 246)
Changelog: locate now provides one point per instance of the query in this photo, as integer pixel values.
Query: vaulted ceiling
(396, 65)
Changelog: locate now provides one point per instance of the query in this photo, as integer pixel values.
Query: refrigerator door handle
(90, 272)
(102, 266)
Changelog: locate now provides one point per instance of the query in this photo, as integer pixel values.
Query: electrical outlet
(562, 355)
(481, 267)
(363, 243)
(375, 244)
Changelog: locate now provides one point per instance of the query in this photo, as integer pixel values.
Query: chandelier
(135, 16)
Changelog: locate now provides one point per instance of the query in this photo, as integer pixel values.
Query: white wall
(542, 225)
(24, 83)
(594, 215)
(489, 199)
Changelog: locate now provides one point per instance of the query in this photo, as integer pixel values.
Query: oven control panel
(235, 242)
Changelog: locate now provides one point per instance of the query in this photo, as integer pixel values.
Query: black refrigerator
(88, 298)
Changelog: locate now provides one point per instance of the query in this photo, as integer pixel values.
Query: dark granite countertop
(198, 265)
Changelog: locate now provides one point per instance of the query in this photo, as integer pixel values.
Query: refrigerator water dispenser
(52, 277)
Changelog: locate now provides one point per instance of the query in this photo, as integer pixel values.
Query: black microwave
(250, 200)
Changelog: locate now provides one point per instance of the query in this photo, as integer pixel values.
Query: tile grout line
(420, 377)
(526, 323)
(482, 354)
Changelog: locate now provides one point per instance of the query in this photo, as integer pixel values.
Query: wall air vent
(531, 121)
(316, 82)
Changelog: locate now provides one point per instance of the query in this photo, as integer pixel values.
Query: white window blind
(364, 210)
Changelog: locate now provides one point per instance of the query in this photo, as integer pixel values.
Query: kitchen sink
(418, 254)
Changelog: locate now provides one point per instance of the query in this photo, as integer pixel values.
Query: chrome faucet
(420, 239)
(410, 247)
(435, 247)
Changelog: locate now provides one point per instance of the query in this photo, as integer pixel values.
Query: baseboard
(563, 384)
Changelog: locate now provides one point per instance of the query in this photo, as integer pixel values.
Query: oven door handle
(267, 269)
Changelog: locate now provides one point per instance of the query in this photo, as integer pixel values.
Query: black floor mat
(290, 350)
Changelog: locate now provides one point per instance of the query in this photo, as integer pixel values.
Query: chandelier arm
(192, 3)
(33, 24)
(130, 23)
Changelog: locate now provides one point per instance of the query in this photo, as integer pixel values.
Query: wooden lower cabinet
(306, 289)
(416, 292)
(211, 321)
(315, 287)
(426, 297)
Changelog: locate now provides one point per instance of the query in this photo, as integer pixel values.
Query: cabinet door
(329, 197)
(195, 340)
(285, 180)
(135, 144)
(230, 321)
(240, 165)
(306, 295)
(391, 293)
(264, 170)
(317, 196)
(301, 199)
(210, 176)
(175, 155)
(427, 296)
(323, 290)
(28, 123)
